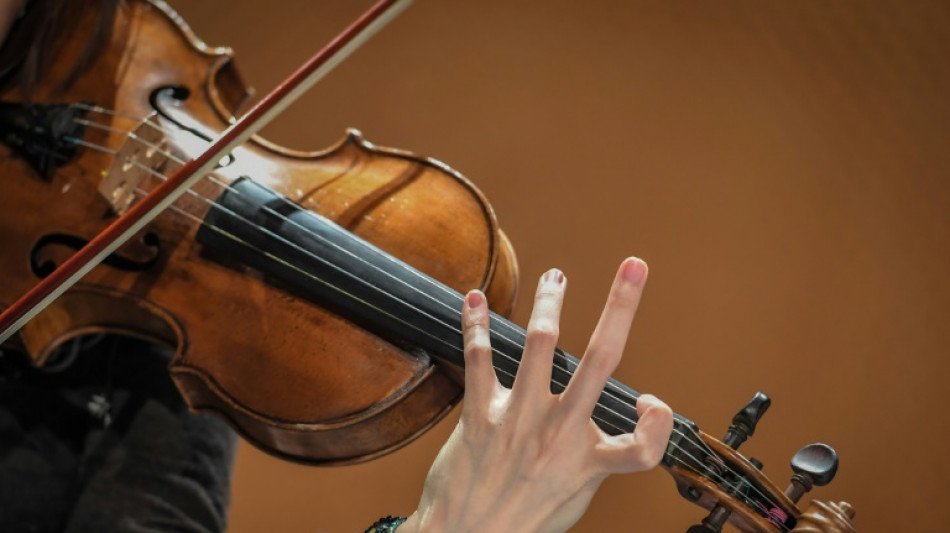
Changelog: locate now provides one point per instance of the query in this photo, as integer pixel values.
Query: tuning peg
(815, 464)
(743, 424)
(714, 522)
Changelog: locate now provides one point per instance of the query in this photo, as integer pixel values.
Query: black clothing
(107, 444)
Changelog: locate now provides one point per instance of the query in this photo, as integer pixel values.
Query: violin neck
(317, 259)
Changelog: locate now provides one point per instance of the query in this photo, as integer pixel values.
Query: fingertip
(646, 447)
(475, 320)
(648, 404)
(475, 326)
(475, 309)
(553, 275)
(654, 428)
(634, 270)
(646, 401)
(475, 299)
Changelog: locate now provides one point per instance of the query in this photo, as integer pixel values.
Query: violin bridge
(144, 154)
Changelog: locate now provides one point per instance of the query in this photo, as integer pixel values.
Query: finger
(480, 379)
(606, 344)
(643, 449)
(534, 373)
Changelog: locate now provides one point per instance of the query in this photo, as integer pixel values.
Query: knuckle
(546, 291)
(625, 298)
(473, 330)
(649, 402)
(646, 396)
(543, 331)
(477, 346)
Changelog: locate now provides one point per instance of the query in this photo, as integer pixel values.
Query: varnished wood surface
(245, 347)
(827, 517)
(741, 516)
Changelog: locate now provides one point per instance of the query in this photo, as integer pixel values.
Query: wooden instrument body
(294, 378)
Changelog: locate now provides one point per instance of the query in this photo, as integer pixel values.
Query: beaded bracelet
(386, 524)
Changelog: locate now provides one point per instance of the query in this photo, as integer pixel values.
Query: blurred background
(782, 166)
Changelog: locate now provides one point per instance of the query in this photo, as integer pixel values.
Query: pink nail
(474, 299)
(634, 270)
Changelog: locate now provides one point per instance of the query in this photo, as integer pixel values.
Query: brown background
(782, 166)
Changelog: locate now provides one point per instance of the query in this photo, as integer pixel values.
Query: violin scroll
(712, 474)
(826, 518)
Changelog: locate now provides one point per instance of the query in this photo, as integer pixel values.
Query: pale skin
(527, 460)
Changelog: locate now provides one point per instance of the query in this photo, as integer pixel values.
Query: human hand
(525, 459)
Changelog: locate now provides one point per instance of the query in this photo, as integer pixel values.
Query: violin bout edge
(380, 432)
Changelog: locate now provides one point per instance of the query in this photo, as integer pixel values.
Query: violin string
(459, 299)
(608, 388)
(567, 371)
(227, 234)
(129, 135)
(452, 294)
(199, 221)
(686, 465)
(134, 137)
(149, 120)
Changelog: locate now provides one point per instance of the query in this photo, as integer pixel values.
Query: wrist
(425, 521)
(411, 525)
(417, 523)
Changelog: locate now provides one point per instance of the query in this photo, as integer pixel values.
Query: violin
(312, 300)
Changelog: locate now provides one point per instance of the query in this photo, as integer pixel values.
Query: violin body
(311, 298)
(296, 379)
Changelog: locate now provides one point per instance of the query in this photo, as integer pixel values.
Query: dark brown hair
(34, 41)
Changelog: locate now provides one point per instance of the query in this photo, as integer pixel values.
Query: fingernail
(553, 276)
(634, 270)
(474, 299)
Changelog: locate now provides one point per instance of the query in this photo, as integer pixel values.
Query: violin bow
(144, 211)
